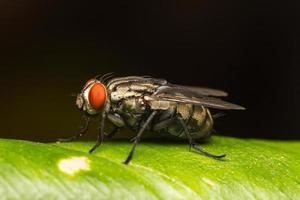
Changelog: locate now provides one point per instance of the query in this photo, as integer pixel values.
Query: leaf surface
(252, 169)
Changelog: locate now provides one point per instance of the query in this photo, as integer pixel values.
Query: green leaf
(253, 169)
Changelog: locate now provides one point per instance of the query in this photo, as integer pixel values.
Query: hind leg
(194, 144)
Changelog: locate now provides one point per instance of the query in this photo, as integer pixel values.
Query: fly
(145, 103)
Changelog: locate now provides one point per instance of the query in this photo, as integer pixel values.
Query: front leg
(101, 133)
(83, 129)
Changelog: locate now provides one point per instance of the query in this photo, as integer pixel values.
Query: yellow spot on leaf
(73, 165)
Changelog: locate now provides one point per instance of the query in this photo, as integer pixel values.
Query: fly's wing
(204, 91)
(209, 102)
(186, 95)
(191, 91)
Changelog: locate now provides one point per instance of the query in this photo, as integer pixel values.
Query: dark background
(50, 48)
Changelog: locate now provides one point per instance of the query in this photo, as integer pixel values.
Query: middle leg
(137, 138)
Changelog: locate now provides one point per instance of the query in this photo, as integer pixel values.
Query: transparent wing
(205, 91)
(195, 96)
(191, 91)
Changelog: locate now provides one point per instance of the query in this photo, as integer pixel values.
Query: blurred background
(48, 49)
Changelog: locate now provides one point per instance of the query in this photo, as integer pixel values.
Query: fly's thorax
(115, 82)
(130, 110)
(132, 86)
(116, 119)
(135, 82)
(121, 93)
(135, 105)
(132, 93)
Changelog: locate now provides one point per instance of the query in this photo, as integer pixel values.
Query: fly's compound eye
(97, 96)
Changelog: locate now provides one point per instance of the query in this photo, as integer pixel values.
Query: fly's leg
(194, 144)
(101, 133)
(83, 129)
(218, 115)
(110, 135)
(137, 138)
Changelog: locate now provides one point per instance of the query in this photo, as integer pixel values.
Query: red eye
(97, 95)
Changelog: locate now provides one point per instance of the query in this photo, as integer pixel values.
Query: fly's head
(92, 97)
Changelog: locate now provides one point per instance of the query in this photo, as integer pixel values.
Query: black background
(248, 48)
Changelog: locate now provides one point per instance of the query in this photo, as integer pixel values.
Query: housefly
(145, 103)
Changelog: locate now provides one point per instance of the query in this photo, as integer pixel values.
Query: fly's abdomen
(198, 120)
(201, 123)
